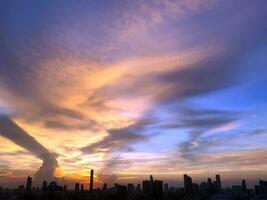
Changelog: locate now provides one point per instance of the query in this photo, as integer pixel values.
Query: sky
(132, 88)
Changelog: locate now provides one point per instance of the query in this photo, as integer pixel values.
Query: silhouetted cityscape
(149, 190)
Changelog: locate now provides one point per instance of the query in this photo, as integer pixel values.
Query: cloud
(207, 136)
(199, 122)
(119, 139)
(13, 132)
(242, 159)
(116, 162)
(94, 86)
(110, 179)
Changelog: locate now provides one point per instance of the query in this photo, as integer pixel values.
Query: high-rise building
(203, 187)
(121, 192)
(29, 183)
(146, 187)
(92, 180)
(158, 185)
(53, 187)
(263, 186)
(257, 189)
(188, 184)
(244, 186)
(81, 187)
(195, 188)
(105, 187)
(166, 187)
(209, 186)
(44, 188)
(77, 187)
(130, 188)
(218, 183)
(153, 189)
(237, 191)
(138, 188)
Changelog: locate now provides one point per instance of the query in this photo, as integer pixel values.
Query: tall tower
(92, 180)
(29, 183)
(218, 183)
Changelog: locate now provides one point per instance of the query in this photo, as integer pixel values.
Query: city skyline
(188, 185)
(133, 88)
(152, 189)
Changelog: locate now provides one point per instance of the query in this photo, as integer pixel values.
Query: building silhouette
(257, 189)
(44, 187)
(153, 189)
(244, 186)
(195, 188)
(237, 191)
(77, 187)
(218, 183)
(130, 188)
(188, 184)
(138, 188)
(54, 187)
(105, 187)
(29, 183)
(91, 180)
(263, 186)
(203, 187)
(121, 191)
(166, 187)
(209, 186)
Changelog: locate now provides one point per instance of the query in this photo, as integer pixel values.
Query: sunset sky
(132, 88)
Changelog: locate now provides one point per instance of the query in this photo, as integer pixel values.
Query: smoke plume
(13, 132)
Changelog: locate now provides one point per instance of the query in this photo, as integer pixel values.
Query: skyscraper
(166, 187)
(153, 188)
(209, 186)
(29, 183)
(188, 184)
(203, 187)
(92, 180)
(244, 186)
(218, 183)
(77, 187)
(138, 188)
(105, 187)
(44, 188)
(263, 186)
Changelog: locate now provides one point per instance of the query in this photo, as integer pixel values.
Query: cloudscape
(133, 88)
